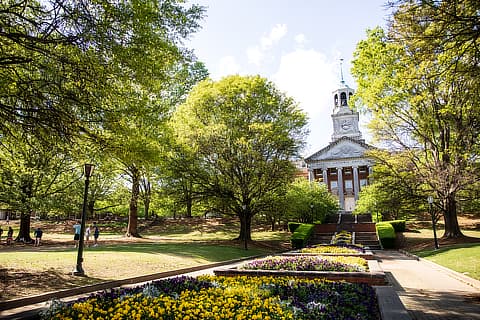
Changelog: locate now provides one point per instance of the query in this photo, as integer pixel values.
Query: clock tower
(343, 165)
(345, 120)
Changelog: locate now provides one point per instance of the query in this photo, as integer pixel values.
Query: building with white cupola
(342, 165)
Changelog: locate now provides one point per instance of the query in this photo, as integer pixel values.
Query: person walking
(1, 232)
(38, 236)
(76, 237)
(96, 233)
(87, 236)
(9, 235)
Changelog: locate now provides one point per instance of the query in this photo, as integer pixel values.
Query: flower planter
(375, 275)
(368, 255)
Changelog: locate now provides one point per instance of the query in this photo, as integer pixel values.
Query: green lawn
(124, 260)
(30, 271)
(464, 258)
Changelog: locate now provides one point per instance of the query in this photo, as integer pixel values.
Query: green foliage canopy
(240, 133)
(420, 82)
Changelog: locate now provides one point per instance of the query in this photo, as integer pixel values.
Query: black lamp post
(79, 269)
(311, 211)
(432, 214)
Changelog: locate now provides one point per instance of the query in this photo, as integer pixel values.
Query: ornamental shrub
(386, 233)
(292, 226)
(398, 225)
(301, 235)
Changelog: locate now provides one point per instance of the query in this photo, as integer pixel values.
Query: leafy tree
(61, 60)
(309, 202)
(241, 131)
(423, 95)
(396, 192)
(31, 174)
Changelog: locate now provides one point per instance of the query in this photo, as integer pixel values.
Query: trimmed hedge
(301, 235)
(398, 225)
(292, 226)
(386, 233)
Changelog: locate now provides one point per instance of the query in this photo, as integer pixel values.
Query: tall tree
(59, 59)
(242, 133)
(420, 83)
(31, 174)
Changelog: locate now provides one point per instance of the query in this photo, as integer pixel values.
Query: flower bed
(339, 249)
(209, 297)
(342, 237)
(308, 263)
(347, 250)
(335, 268)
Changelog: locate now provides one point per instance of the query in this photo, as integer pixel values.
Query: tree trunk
(189, 207)
(90, 209)
(132, 229)
(452, 228)
(245, 226)
(24, 232)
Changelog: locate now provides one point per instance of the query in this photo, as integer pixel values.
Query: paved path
(429, 291)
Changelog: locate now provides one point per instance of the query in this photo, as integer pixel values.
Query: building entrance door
(349, 203)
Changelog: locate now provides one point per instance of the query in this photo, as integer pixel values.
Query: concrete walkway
(429, 291)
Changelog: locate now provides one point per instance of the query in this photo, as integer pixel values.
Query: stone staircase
(361, 226)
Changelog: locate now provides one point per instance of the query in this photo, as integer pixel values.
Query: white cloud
(308, 77)
(277, 33)
(226, 65)
(300, 39)
(256, 53)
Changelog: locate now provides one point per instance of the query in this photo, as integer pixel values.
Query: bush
(386, 233)
(301, 235)
(292, 226)
(398, 225)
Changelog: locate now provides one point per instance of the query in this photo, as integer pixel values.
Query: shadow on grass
(433, 253)
(211, 252)
(14, 283)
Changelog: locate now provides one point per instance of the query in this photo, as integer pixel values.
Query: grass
(27, 270)
(32, 271)
(463, 258)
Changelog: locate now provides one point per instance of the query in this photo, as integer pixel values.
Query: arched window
(343, 98)
(336, 100)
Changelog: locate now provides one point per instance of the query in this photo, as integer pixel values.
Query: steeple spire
(341, 71)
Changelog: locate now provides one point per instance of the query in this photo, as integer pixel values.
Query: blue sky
(296, 44)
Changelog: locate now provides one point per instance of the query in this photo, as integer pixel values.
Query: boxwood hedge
(386, 233)
(301, 235)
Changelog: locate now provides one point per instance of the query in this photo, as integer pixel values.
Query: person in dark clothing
(9, 235)
(96, 233)
(38, 236)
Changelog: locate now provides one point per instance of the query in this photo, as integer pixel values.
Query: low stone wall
(375, 276)
(368, 255)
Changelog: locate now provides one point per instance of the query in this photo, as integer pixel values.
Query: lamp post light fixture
(432, 214)
(79, 269)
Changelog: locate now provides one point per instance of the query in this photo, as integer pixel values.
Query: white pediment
(341, 149)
